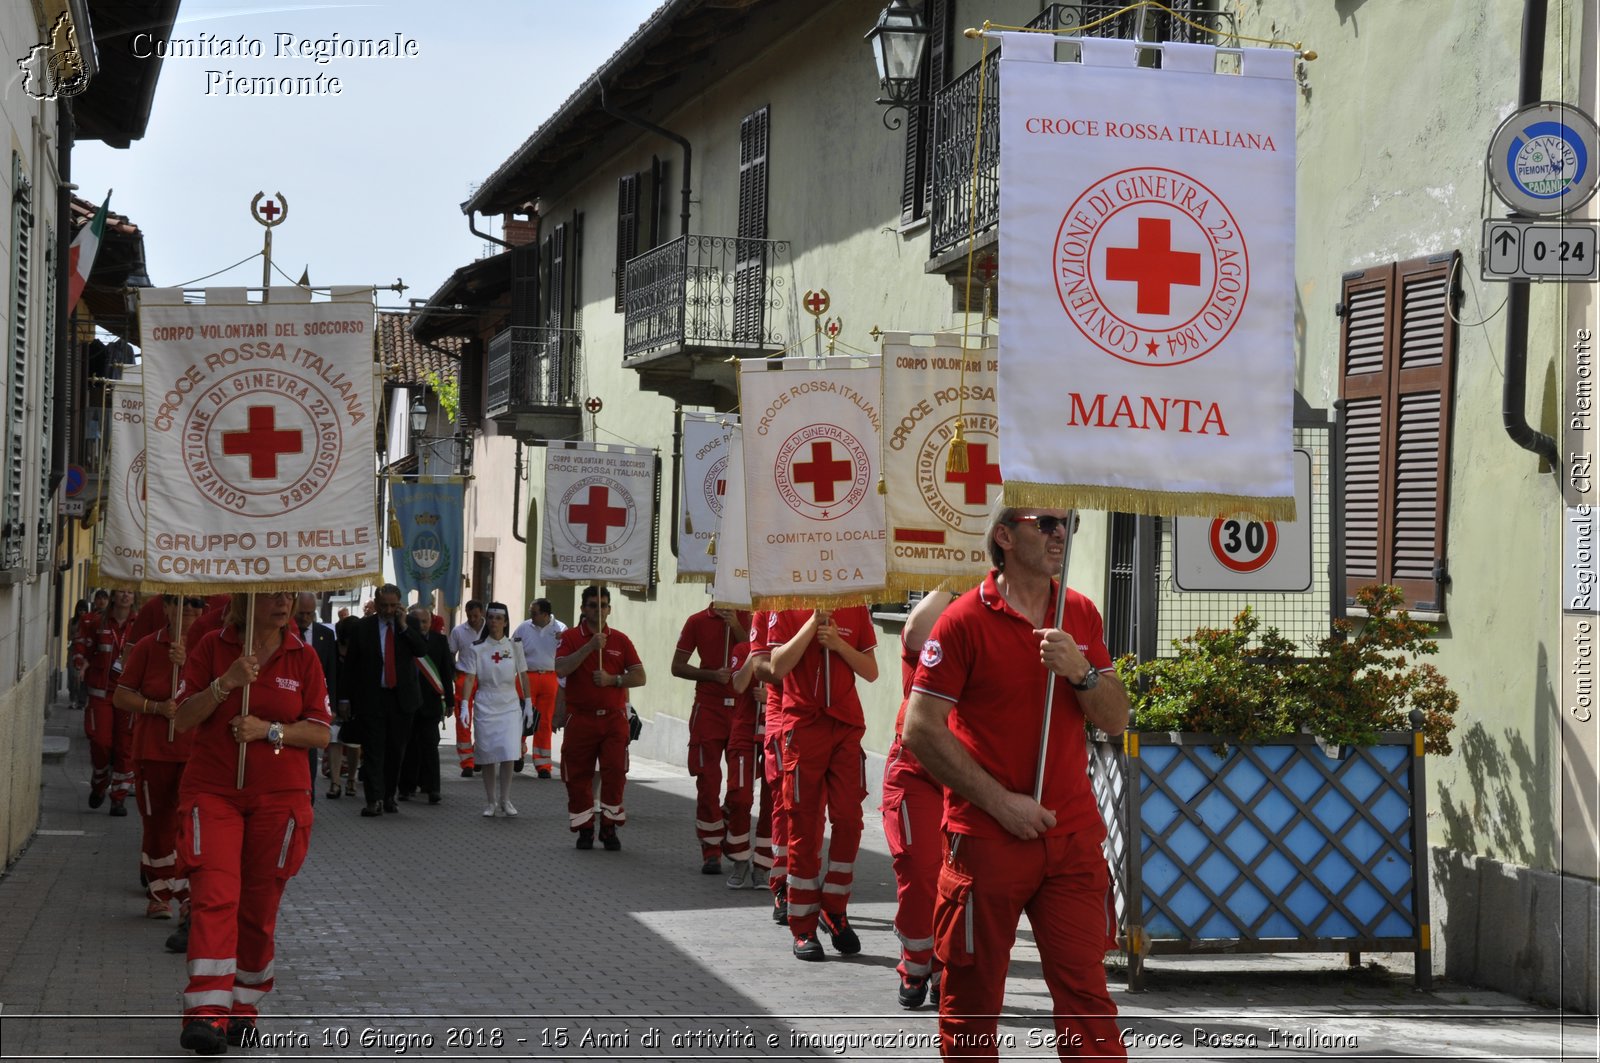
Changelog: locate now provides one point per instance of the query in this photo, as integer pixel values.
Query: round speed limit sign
(1243, 545)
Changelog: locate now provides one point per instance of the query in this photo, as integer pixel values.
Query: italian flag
(80, 257)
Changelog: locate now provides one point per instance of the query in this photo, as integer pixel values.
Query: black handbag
(635, 725)
(532, 728)
(351, 732)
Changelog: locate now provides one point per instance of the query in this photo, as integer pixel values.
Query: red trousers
(763, 825)
(723, 823)
(241, 849)
(542, 687)
(984, 887)
(158, 808)
(463, 716)
(110, 734)
(778, 835)
(913, 807)
(825, 772)
(592, 739)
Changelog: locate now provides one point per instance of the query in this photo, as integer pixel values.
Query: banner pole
(177, 634)
(244, 697)
(1050, 677)
(600, 613)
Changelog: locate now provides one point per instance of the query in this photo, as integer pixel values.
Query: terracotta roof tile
(408, 361)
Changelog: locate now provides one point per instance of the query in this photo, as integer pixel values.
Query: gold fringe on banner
(694, 577)
(203, 587)
(97, 580)
(1149, 503)
(904, 582)
(867, 597)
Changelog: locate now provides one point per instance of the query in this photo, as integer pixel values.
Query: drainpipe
(516, 494)
(66, 352)
(683, 142)
(1513, 403)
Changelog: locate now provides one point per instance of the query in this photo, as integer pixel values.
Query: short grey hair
(999, 514)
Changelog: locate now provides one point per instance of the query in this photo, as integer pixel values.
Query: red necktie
(388, 656)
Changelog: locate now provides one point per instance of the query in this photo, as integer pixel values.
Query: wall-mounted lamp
(419, 417)
(899, 41)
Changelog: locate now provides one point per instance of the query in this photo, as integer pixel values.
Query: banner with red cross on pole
(936, 511)
(814, 517)
(259, 426)
(1147, 361)
(119, 556)
(599, 514)
(701, 493)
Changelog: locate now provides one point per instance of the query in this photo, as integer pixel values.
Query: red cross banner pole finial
(272, 214)
(816, 304)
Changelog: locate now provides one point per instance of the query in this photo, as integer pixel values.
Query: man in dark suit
(319, 637)
(420, 768)
(382, 672)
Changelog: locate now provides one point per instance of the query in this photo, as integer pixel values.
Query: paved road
(439, 934)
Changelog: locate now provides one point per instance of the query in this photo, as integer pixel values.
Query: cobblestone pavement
(437, 933)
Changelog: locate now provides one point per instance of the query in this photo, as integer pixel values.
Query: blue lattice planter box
(1266, 847)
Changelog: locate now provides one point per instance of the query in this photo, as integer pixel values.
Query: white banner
(701, 490)
(120, 560)
(731, 585)
(1147, 241)
(937, 514)
(259, 435)
(599, 511)
(814, 516)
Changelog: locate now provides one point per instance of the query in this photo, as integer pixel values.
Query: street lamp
(419, 417)
(899, 41)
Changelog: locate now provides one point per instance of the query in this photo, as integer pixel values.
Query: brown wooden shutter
(556, 278)
(1424, 369)
(525, 285)
(627, 230)
(749, 274)
(1397, 359)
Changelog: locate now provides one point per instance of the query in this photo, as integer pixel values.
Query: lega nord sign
(1240, 554)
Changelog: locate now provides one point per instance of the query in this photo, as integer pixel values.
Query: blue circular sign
(1541, 159)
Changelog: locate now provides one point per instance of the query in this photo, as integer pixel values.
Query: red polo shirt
(984, 657)
(149, 671)
(705, 635)
(619, 657)
(289, 689)
(772, 721)
(744, 707)
(806, 689)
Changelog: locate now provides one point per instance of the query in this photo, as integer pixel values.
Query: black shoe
(204, 1038)
(807, 947)
(118, 808)
(544, 773)
(434, 799)
(372, 810)
(933, 990)
(466, 773)
(178, 940)
(780, 907)
(402, 797)
(913, 990)
(240, 1030)
(609, 839)
(517, 767)
(712, 866)
(845, 941)
(97, 798)
(586, 838)
(391, 808)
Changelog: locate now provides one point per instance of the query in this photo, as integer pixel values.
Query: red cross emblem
(823, 472)
(497, 657)
(1154, 266)
(271, 210)
(270, 213)
(980, 474)
(262, 441)
(817, 303)
(597, 515)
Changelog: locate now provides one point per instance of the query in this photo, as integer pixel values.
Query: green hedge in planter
(1244, 685)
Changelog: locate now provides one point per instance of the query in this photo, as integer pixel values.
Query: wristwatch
(275, 736)
(1090, 681)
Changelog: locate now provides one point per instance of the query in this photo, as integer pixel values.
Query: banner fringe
(868, 597)
(201, 587)
(116, 583)
(954, 582)
(1023, 493)
(695, 577)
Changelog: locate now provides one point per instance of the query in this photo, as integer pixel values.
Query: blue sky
(374, 176)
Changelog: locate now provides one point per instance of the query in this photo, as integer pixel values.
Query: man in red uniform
(974, 719)
(817, 656)
(83, 643)
(599, 664)
(109, 730)
(772, 841)
(710, 634)
(539, 636)
(159, 753)
(751, 857)
(913, 806)
(462, 638)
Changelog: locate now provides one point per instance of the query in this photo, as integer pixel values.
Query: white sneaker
(488, 811)
(758, 880)
(508, 808)
(740, 879)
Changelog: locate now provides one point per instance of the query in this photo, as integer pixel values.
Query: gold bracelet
(146, 708)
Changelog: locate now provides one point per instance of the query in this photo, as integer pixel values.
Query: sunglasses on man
(1047, 525)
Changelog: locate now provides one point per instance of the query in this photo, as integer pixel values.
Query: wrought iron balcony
(954, 210)
(692, 302)
(532, 380)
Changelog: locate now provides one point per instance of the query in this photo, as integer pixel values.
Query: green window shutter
(627, 230)
(44, 545)
(13, 531)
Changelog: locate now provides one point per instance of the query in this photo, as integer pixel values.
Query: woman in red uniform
(159, 754)
(241, 845)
